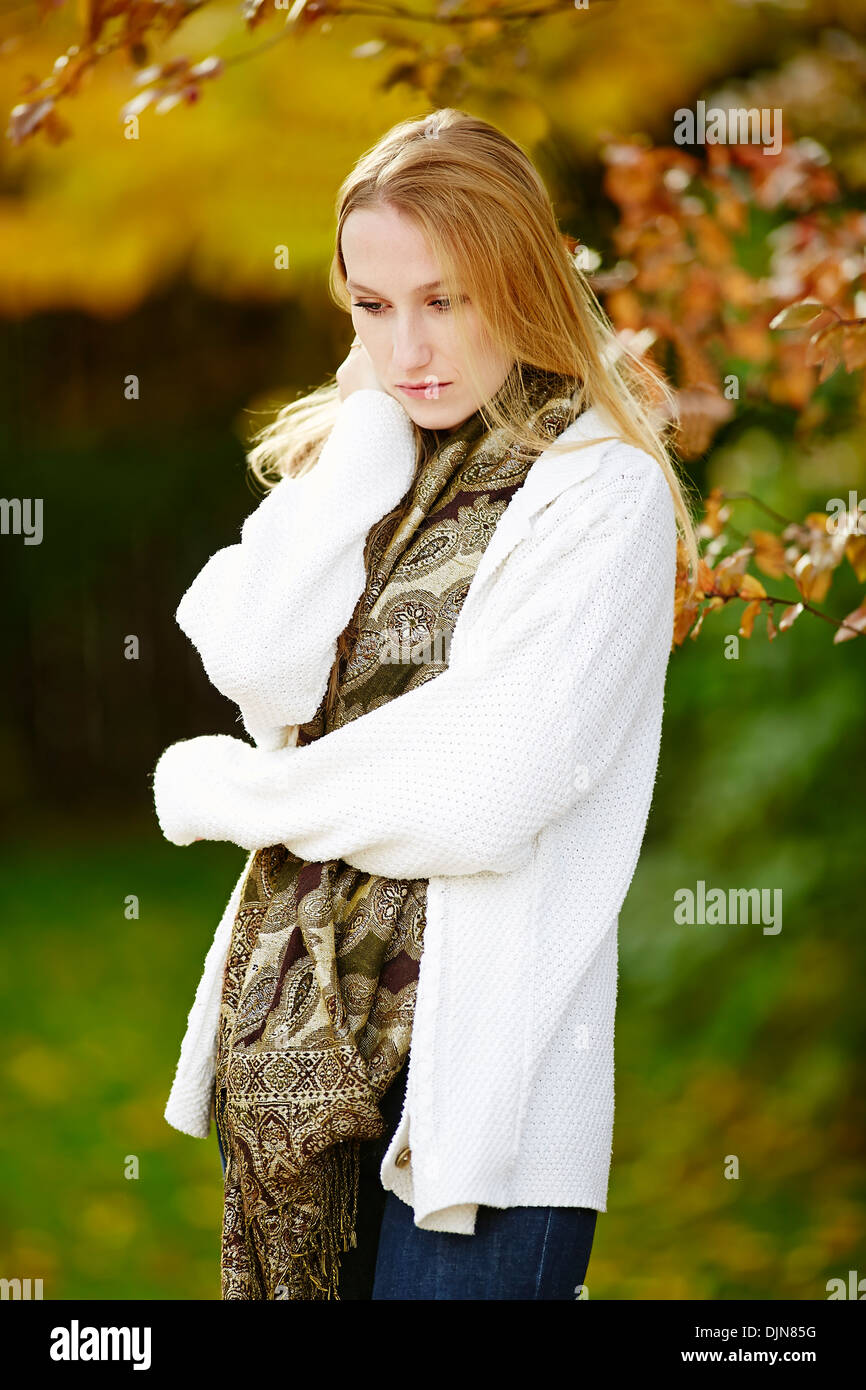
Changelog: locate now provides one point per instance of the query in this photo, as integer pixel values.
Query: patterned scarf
(321, 975)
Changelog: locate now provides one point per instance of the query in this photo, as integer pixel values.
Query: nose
(410, 346)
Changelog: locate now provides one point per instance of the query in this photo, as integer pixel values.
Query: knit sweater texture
(536, 753)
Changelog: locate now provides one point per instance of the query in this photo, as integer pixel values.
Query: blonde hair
(490, 225)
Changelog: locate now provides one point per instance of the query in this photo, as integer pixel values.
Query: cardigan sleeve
(265, 614)
(459, 775)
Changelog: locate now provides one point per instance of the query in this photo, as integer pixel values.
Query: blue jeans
(516, 1253)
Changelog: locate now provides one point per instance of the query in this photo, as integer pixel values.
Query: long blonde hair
(490, 225)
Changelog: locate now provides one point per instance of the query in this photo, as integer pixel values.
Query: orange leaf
(706, 578)
(855, 549)
(854, 350)
(729, 572)
(727, 583)
(683, 622)
(812, 583)
(750, 613)
(769, 553)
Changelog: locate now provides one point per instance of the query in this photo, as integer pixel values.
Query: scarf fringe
(314, 1273)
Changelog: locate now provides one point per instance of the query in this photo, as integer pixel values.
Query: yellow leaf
(751, 587)
(798, 315)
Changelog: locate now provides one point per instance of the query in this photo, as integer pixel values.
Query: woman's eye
(374, 306)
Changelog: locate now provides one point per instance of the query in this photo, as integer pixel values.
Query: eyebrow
(365, 289)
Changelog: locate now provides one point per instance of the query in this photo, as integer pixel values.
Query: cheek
(450, 343)
(479, 338)
(369, 329)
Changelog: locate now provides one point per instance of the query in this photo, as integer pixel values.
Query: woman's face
(406, 324)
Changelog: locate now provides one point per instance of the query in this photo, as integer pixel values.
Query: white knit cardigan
(517, 782)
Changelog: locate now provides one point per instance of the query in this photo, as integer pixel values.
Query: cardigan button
(403, 1157)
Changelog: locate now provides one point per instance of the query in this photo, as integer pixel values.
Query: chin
(429, 420)
(435, 413)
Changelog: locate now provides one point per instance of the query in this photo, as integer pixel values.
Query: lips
(421, 385)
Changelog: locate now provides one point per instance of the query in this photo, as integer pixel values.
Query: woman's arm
(460, 774)
(265, 614)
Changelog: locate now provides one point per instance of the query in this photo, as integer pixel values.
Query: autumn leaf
(701, 410)
(715, 514)
(729, 572)
(857, 620)
(825, 349)
(706, 578)
(750, 613)
(855, 550)
(751, 587)
(683, 622)
(798, 315)
(769, 554)
(854, 349)
(789, 616)
(812, 582)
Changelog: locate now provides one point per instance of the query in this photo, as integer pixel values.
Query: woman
(405, 1022)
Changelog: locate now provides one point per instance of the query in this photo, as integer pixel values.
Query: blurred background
(154, 257)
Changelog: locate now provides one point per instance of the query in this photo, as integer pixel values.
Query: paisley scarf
(321, 974)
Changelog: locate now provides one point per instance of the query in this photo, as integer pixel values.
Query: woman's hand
(357, 373)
